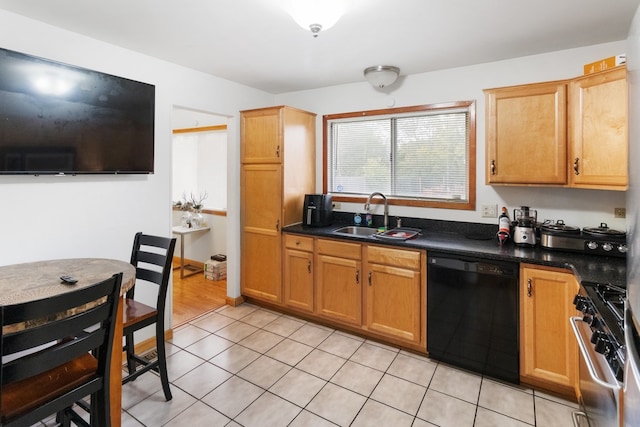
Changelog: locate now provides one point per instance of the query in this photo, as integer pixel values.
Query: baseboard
(234, 302)
(176, 262)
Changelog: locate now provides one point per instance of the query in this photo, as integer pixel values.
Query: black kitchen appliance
(600, 335)
(600, 240)
(317, 210)
(462, 294)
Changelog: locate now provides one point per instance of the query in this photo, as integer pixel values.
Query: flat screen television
(61, 119)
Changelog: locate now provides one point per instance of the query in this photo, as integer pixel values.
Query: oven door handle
(585, 354)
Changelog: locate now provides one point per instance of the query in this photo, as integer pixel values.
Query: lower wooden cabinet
(299, 272)
(375, 289)
(339, 281)
(548, 348)
(394, 291)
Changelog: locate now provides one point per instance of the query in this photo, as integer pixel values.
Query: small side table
(182, 231)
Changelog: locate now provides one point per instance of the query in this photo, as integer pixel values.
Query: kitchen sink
(400, 233)
(352, 230)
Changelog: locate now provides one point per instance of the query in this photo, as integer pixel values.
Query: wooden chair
(152, 256)
(48, 360)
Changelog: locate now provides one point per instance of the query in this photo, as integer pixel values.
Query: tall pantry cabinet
(278, 169)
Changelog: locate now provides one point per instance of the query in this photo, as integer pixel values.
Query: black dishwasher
(472, 314)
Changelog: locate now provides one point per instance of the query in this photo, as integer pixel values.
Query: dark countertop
(478, 240)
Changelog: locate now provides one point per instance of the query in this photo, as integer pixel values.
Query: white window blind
(421, 155)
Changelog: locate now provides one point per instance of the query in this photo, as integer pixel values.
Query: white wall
(97, 216)
(576, 207)
(200, 167)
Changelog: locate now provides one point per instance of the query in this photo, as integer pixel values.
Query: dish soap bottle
(504, 227)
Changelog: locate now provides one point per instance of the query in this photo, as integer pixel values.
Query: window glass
(423, 156)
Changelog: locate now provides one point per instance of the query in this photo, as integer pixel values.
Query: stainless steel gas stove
(600, 335)
(600, 240)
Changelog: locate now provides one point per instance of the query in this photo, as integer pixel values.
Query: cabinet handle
(278, 151)
(278, 225)
(493, 167)
(370, 273)
(529, 285)
(357, 277)
(309, 266)
(576, 169)
(297, 242)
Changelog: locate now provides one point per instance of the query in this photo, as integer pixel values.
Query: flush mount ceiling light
(381, 75)
(316, 15)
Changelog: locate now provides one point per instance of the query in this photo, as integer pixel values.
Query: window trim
(400, 201)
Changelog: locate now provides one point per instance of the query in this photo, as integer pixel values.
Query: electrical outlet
(337, 205)
(490, 211)
(619, 213)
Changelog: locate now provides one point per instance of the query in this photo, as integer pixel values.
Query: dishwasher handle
(474, 266)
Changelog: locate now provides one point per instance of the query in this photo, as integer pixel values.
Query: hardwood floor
(194, 296)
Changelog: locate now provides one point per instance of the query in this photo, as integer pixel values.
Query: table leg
(116, 371)
(182, 257)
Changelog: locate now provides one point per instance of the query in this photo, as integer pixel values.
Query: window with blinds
(419, 155)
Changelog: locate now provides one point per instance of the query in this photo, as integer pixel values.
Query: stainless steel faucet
(386, 207)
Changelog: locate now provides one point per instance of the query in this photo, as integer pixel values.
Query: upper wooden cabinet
(561, 133)
(598, 130)
(526, 134)
(278, 169)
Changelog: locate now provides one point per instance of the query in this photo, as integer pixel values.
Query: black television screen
(61, 119)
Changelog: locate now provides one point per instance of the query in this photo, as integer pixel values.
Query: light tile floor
(246, 366)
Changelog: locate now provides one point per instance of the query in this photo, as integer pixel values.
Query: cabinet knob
(297, 242)
(370, 280)
(529, 286)
(493, 167)
(576, 168)
(278, 225)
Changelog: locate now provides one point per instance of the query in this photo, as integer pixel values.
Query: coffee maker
(317, 210)
(524, 226)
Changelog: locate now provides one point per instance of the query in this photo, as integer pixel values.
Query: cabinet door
(298, 279)
(599, 133)
(338, 289)
(261, 246)
(393, 298)
(548, 348)
(526, 134)
(261, 134)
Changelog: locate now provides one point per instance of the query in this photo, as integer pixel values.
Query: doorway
(199, 174)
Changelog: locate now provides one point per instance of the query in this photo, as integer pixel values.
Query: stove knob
(603, 345)
(592, 245)
(607, 246)
(618, 370)
(623, 249)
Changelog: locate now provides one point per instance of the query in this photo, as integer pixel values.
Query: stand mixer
(524, 226)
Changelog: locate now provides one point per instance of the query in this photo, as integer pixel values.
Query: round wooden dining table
(41, 279)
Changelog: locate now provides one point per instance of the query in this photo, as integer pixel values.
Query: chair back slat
(32, 310)
(149, 275)
(41, 334)
(50, 357)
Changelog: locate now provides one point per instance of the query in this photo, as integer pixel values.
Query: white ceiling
(256, 43)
